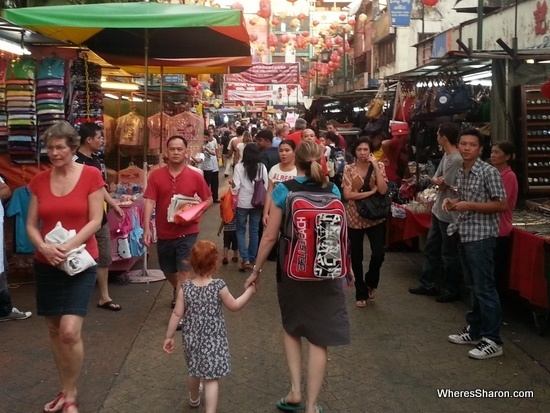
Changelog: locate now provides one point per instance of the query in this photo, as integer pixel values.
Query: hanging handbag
(137, 248)
(376, 206)
(376, 105)
(260, 193)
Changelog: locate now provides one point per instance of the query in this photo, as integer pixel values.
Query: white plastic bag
(78, 259)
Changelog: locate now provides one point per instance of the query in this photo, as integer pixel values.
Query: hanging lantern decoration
(285, 38)
(208, 93)
(272, 40)
(331, 64)
(305, 34)
(253, 37)
(313, 40)
(315, 23)
(253, 20)
(302, 17)
(295, 23)
(429, 3)
(328, 43)
(343, 17)
(363, 17)
(352, 22)
(545, 89)
(216, 103)
(338, 40)
(206, 104)
(193, 82)
(265, 9)
(237, 6)
(275, 21)
(334, 26)
(291, 1)
(210, 80)
(340, 50)
(348, 28)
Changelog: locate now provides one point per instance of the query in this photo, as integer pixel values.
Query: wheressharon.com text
(482, 393)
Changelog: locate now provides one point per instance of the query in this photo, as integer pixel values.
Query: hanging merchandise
(405, 99)
(129, 129)
(86, 104)
(158, 134)
(191, 127)
(3, 113)
(20, 101)
(376, 105)
(453, 97)
(109, 128)
(50, 96)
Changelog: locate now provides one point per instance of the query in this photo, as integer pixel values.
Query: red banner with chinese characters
(267, 74)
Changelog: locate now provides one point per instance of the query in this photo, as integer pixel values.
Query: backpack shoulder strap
(294, 186)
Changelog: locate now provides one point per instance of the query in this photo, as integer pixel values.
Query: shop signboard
(400, 12)
(267, 74)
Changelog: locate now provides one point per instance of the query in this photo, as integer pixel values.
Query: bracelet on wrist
(254, 269)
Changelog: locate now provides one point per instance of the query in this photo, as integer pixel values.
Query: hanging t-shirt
(18, 207)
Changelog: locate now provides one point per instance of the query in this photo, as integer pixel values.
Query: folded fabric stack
(3, 113)
(50, 96)
(21, 108)
(86, 100)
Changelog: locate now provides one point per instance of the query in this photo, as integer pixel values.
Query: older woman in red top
(70, 193)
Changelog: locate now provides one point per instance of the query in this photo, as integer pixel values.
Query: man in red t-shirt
(299, 126)
(174, 240)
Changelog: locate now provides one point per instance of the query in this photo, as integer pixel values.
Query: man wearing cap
(395, 150)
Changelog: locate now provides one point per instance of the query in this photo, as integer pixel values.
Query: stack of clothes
(21, 108)
(86, 100)
(50, 96)
(3, 113)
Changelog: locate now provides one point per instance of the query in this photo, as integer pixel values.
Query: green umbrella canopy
(120, 30)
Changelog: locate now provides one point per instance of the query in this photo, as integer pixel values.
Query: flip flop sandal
(196, 402)
(56, 405)
(110, 305)
(289, 407)
(361, 303)
(72, 403)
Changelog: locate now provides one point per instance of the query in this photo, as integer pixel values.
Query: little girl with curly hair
(205, 345)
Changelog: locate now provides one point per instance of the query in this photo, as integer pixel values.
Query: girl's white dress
(205, 345)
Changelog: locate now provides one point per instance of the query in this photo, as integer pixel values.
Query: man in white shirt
(209, 165)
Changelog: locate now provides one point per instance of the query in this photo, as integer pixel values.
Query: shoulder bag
(376, 206)
(260, 193)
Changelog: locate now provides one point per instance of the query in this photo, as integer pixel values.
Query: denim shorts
(58, 293)
(173, 253)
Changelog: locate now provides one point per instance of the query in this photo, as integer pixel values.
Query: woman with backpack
(242, 184)
(354, 176)
(315, 310)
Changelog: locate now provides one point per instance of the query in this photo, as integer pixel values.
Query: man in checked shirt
(481, 197)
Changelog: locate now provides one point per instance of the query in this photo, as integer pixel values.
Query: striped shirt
(481, 184)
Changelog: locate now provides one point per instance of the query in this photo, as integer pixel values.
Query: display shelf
(535, 140)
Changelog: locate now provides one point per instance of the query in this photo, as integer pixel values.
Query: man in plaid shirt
(481, 197)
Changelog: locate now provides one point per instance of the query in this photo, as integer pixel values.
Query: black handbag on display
(454, 97)
(376, 206)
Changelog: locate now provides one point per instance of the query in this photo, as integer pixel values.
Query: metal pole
(345, 64)
(479, 24)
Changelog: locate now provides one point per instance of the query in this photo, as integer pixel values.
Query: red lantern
(275, 21)
(343, 17)
(291, 1)
(193, 82)
(429, 3)
(237, 6)
(338, 40)
(265, 9)
(340, 50)
(285, 38)
(545, 90)
(272, 40)
(315, 23)
(302, 17)
(210, 80)
(253, 37)
(305, 34)
(314, 40)
(352, 22)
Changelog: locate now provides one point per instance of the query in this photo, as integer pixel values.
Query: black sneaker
(432, 292)
(447, 298)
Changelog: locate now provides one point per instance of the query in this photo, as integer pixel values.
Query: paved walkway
(398, 359)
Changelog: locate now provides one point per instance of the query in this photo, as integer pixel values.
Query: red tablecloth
(527, 270)
(402, 229)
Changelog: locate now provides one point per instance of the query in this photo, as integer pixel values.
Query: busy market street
(398, 361)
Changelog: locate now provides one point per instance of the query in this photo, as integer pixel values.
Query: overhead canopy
(120, 32)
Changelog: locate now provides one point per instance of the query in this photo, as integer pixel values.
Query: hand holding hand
(252, 279)
(54, 254)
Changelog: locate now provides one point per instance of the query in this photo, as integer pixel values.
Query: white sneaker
(485, 350)
(463, 337)
(16, 315)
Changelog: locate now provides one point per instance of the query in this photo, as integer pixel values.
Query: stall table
(530, 272)
(405, 229)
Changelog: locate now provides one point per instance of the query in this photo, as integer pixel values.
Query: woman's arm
(380, 180)
(235, 304)
(269, 238)
(349, 193)
(268, 202)
(235, 183)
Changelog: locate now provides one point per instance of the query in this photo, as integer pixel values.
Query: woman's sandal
(196, 402)
(55, 405)
(67, 405)
(361, 303)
